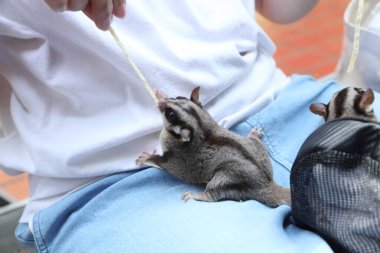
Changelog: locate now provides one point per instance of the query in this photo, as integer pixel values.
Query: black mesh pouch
(335, 185)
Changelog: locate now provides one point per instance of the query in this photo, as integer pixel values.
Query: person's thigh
(143, 212)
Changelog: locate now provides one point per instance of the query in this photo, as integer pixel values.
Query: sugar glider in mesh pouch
(197, 150)
(335, 177)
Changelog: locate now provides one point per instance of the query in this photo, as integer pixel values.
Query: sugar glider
(197, 150)
(348, 102)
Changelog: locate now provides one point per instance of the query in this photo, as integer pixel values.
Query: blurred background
(313, 44)
(310, 46)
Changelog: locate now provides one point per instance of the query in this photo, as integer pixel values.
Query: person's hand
(100, 11)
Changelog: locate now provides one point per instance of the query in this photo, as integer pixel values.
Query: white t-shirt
(73, 109)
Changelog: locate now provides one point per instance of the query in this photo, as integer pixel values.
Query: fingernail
(60, 8)
(76, 5)
(105, 24)
(120, 11)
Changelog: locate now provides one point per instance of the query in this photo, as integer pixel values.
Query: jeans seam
(40, 241)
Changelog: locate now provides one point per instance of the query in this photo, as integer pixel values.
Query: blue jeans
(142, 211)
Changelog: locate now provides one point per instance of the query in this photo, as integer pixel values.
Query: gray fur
(348, 102)
(232, 166)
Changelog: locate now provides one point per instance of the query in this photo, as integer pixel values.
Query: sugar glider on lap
(197, 150)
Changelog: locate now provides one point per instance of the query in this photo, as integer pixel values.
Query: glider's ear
(195, 95)
(367, 99)
(319, 109)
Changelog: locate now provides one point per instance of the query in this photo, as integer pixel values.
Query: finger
(76, 5)
(101, 13)
(57, 5)
(87, 11)
(119, 8)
